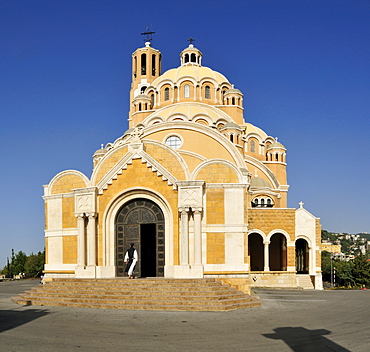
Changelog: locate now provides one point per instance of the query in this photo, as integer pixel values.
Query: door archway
(302, 256)
(256, 252)
(141, 221)
(278, 252)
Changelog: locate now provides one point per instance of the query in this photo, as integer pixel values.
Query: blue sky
(65, 70)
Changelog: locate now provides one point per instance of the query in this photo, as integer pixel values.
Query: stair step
(153, 294)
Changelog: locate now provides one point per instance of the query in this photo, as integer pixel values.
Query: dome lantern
(191, 55)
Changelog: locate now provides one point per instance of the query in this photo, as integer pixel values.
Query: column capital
(182, 209)
(79, 215)
(197, 210)
(91, 215)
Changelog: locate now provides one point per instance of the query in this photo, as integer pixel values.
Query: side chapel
(200, 191)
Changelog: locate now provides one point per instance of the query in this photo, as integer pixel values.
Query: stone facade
(201, 192)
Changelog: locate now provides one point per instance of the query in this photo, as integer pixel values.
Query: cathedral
(199, 191)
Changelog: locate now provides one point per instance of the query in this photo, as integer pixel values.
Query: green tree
(35, 264)
(18, 263)
(344, 273)
(361, 271)
(326, 266)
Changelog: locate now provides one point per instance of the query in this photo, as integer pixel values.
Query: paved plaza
(289, 320)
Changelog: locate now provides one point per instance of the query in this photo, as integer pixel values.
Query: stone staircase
(138, 294)
(304, 281)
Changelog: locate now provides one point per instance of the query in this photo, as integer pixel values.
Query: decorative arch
(226, 163)
(283, 232)
(302, 255)
(140, 221)
(67, 173)
(256, 251)
(109, 245)
(278, 252)
(177, 117)
(153, 120)
(265, 170)
(198, 117)
(236, 156)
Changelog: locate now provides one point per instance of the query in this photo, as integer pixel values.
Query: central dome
(200, 73)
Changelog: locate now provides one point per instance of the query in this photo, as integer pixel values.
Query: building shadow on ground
(300, 339)
(10, 319)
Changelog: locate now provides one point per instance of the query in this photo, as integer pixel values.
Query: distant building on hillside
(331, 248)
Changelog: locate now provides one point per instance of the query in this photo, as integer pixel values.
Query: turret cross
(148, 35)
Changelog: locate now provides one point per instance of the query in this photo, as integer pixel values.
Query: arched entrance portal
(141, 221)
(302, 256)
(256, 252)
(278, 252)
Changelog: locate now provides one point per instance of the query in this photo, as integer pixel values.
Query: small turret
(191, 56)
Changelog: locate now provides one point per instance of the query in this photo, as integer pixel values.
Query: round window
(174, 142)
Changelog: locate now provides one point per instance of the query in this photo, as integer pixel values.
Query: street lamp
(331, 269)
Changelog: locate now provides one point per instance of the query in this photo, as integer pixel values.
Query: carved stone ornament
(84, 203)
(190, 197)
(136, 134)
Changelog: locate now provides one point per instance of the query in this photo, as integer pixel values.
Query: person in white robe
(130, 260)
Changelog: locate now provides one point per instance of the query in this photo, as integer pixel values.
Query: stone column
(266, 257)
(197, 236)
(91, 236)
(184, 236)
(81, 260)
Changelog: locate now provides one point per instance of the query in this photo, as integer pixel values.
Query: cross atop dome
(191, 40)
(148, 36)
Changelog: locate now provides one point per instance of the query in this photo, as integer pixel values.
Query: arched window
(167, 94)
(277, 157)
(139, 106)
(152, 99)
(174, 142)
(193, 58)
(253, 146)
(231, 138)
(232, 101)
(262, 202)
(153, 65)
(142, 90)
(207, 92)
(143, 64)
(135, 66)
(186, 58)
(269, 203)
(186, 91)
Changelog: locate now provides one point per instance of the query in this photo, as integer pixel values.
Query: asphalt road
(289, 320)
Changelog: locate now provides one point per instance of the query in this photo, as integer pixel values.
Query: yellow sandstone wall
(69, 249)
(191, 161)
(166, 159)
(269, 219)
(218, 173)
(68, 213)
(66, 183)
(110, 162)
(215, 206)
(215, 248)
